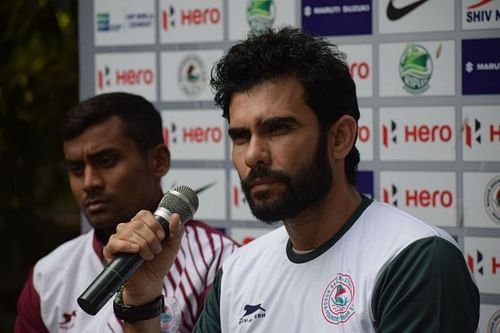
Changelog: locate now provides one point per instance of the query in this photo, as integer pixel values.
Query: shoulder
(430, 271)
(66, 252)
(267, 244)
(388, 222)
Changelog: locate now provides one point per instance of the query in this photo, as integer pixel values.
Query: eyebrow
(94, 156)
(238, 132)
(269, 123)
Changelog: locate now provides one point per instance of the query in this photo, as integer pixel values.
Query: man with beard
(114, 150)
(341, 262)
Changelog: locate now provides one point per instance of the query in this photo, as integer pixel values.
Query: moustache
(89, 200)
(263, 173)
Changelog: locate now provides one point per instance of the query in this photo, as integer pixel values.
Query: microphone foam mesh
(181, 200)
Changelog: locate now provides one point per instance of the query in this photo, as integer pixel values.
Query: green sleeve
(209, 319)
(426, 288)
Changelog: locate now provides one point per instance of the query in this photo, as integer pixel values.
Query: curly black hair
(317, 64)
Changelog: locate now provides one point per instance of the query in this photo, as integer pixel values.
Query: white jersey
(345, 285)
(60, 278)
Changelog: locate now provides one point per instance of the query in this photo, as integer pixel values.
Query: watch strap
(133, 313)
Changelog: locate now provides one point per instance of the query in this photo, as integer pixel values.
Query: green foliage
(38, 82)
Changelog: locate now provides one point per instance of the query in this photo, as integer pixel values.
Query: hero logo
(416, 134)
(389, 133)
(390, 195)
(124, 77)
(195, 16)
(478, 265)
(238, 197)
(472, 132)
(364, 133)
(359, 70)
(191, 135)
(419, 198)
(475, 13)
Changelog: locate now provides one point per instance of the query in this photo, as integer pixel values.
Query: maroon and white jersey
(48, 302)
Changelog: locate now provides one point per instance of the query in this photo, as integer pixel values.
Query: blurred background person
(115, 156)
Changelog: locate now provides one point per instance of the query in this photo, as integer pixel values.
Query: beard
(307, 188)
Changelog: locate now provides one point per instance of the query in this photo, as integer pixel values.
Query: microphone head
(182, 200)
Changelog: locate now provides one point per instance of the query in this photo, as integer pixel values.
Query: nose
(258, 152)
(92, 179)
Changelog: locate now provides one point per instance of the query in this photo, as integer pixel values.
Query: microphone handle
(112, 277)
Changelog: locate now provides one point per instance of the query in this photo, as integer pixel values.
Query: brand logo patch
(252, 312)
(395, 13)
(338, 298)
(67, 320)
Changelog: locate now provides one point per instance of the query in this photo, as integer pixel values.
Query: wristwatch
(133, 313)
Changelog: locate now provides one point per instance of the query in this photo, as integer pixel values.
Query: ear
(159, 158)
(342, 136)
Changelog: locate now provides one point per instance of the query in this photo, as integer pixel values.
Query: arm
(426, 288)
(144, 235)
(28, 310)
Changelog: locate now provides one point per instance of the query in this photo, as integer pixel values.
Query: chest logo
(67, 320)
(170, 319)
(252, 312)
(338, 298)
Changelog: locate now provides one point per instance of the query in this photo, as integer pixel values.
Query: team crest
(338, 298)
(260, 15)
(170, 319)
(494, 323)
(492, 199)
(415, 69)
(192, 75)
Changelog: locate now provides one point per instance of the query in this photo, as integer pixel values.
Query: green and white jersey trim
(384, 271)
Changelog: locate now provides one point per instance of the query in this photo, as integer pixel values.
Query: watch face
(170, 319)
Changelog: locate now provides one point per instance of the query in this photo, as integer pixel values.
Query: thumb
(176, 229)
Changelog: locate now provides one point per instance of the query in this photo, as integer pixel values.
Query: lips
(262, 184)
(95, 205)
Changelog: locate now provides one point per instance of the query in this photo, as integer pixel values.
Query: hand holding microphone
(140, 239)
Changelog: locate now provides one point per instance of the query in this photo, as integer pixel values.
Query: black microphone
(181, 200)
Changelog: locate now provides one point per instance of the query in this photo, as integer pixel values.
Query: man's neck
(318, 224)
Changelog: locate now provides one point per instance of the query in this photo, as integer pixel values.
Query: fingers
(142, 235)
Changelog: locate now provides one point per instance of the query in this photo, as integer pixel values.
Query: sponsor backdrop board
(428, 80)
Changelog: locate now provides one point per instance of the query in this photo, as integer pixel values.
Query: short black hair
(317, 64)
(141, 120)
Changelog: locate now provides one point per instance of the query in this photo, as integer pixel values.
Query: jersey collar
(302, 258)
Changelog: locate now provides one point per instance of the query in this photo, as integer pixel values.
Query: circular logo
(492, 199)
(170, 319)
(260, 14)
(192, 76)
(415, 69)
(494, 323)
(337, 300)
